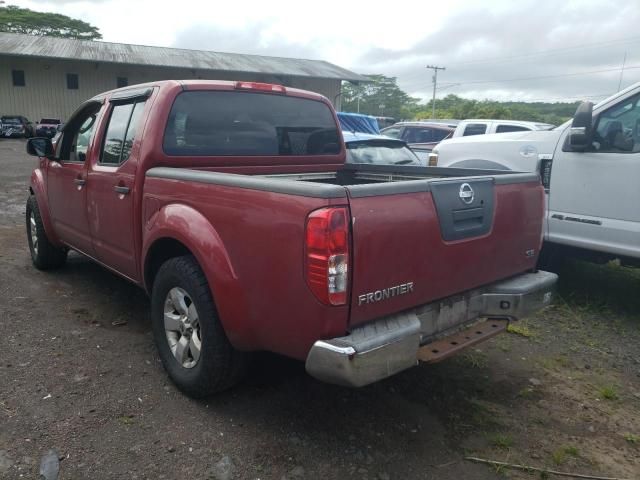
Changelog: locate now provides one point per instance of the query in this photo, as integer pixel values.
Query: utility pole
(435, 69)
(624, 60)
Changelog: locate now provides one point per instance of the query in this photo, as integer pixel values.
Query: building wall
(45, 93)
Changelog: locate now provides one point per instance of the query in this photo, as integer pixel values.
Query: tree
(22, 20)
(453, 106)
(380, 97)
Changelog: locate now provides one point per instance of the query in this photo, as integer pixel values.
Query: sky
(542, 50)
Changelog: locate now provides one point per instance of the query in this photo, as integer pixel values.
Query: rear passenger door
(111, 187)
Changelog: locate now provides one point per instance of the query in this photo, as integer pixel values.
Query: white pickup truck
(481, 126)
(590, 168)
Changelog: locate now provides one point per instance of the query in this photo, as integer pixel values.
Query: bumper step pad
(447, 346)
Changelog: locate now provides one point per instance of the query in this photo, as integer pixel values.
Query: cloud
(255, 38)
(488, 49)
(488, 54)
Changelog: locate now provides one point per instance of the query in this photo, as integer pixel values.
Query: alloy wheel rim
(33, 230)
(182, 327)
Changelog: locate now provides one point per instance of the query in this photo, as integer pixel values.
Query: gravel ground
(79, 374)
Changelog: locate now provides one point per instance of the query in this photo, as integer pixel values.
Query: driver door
(595, 195)
(66, 180)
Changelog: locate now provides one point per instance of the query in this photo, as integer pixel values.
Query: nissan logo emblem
(466, 193)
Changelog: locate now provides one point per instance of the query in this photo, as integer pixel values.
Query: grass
(560, 455)
(126, 419)
(526, 392)
(501, 440)
(555, 363)
(521, 329)
(590, 288)
(475, 359)
(608, 392)
(631, 438)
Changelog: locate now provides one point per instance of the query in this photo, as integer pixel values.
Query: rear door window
(475, 129)
(123, 125)
(214, 123)
(439, 135)
(418, 135)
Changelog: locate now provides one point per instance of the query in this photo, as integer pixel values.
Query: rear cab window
(380, 152)
(223, 123)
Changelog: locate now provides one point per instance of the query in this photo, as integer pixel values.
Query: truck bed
(408, 226)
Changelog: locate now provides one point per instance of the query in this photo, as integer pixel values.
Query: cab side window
(618, 129)
(78, 134)
(121, 133)
(82, 139)
(391, 132)
(474, 129)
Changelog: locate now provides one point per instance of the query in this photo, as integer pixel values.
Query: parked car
(16, 126)
(47, 127)
(231, 204)
(481, 126)
(590, 168)
(378, 150)
(422, 135)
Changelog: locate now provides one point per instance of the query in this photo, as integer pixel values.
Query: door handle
(121, 189)
(79, 181)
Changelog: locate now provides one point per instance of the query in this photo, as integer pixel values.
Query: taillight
(327, 254)
(433, 159)
(263, 87)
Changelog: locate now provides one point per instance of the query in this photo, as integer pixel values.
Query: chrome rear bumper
(389, 345)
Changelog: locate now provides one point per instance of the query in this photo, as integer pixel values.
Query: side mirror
(40, 147)
(580, 134)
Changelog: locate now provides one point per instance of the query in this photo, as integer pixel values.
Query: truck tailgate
(420, 241)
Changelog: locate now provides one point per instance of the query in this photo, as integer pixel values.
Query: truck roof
(537, 125)
(199, 84)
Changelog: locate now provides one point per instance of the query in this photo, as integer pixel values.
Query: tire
(44, 255)
(197, 355)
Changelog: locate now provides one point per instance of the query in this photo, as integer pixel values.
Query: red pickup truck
(231, 204)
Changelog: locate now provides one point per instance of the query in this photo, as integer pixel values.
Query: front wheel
(44, 255)
(190, 339)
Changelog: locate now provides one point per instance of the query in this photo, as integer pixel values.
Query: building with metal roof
(49, 77)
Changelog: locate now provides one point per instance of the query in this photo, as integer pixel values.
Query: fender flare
(38, 189)
(188, 226)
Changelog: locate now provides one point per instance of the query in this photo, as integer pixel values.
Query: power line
(542, 77)
(554, 51)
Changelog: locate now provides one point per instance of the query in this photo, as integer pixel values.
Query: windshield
(10, 121)
(50, 121)
(380, 153)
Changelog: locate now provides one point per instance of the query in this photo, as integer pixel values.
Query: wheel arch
(37, 189)
(181, 230)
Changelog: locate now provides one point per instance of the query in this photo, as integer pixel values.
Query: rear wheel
(191, 342)
(44, 255)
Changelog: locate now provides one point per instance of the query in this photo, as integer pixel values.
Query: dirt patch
(79, 374)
